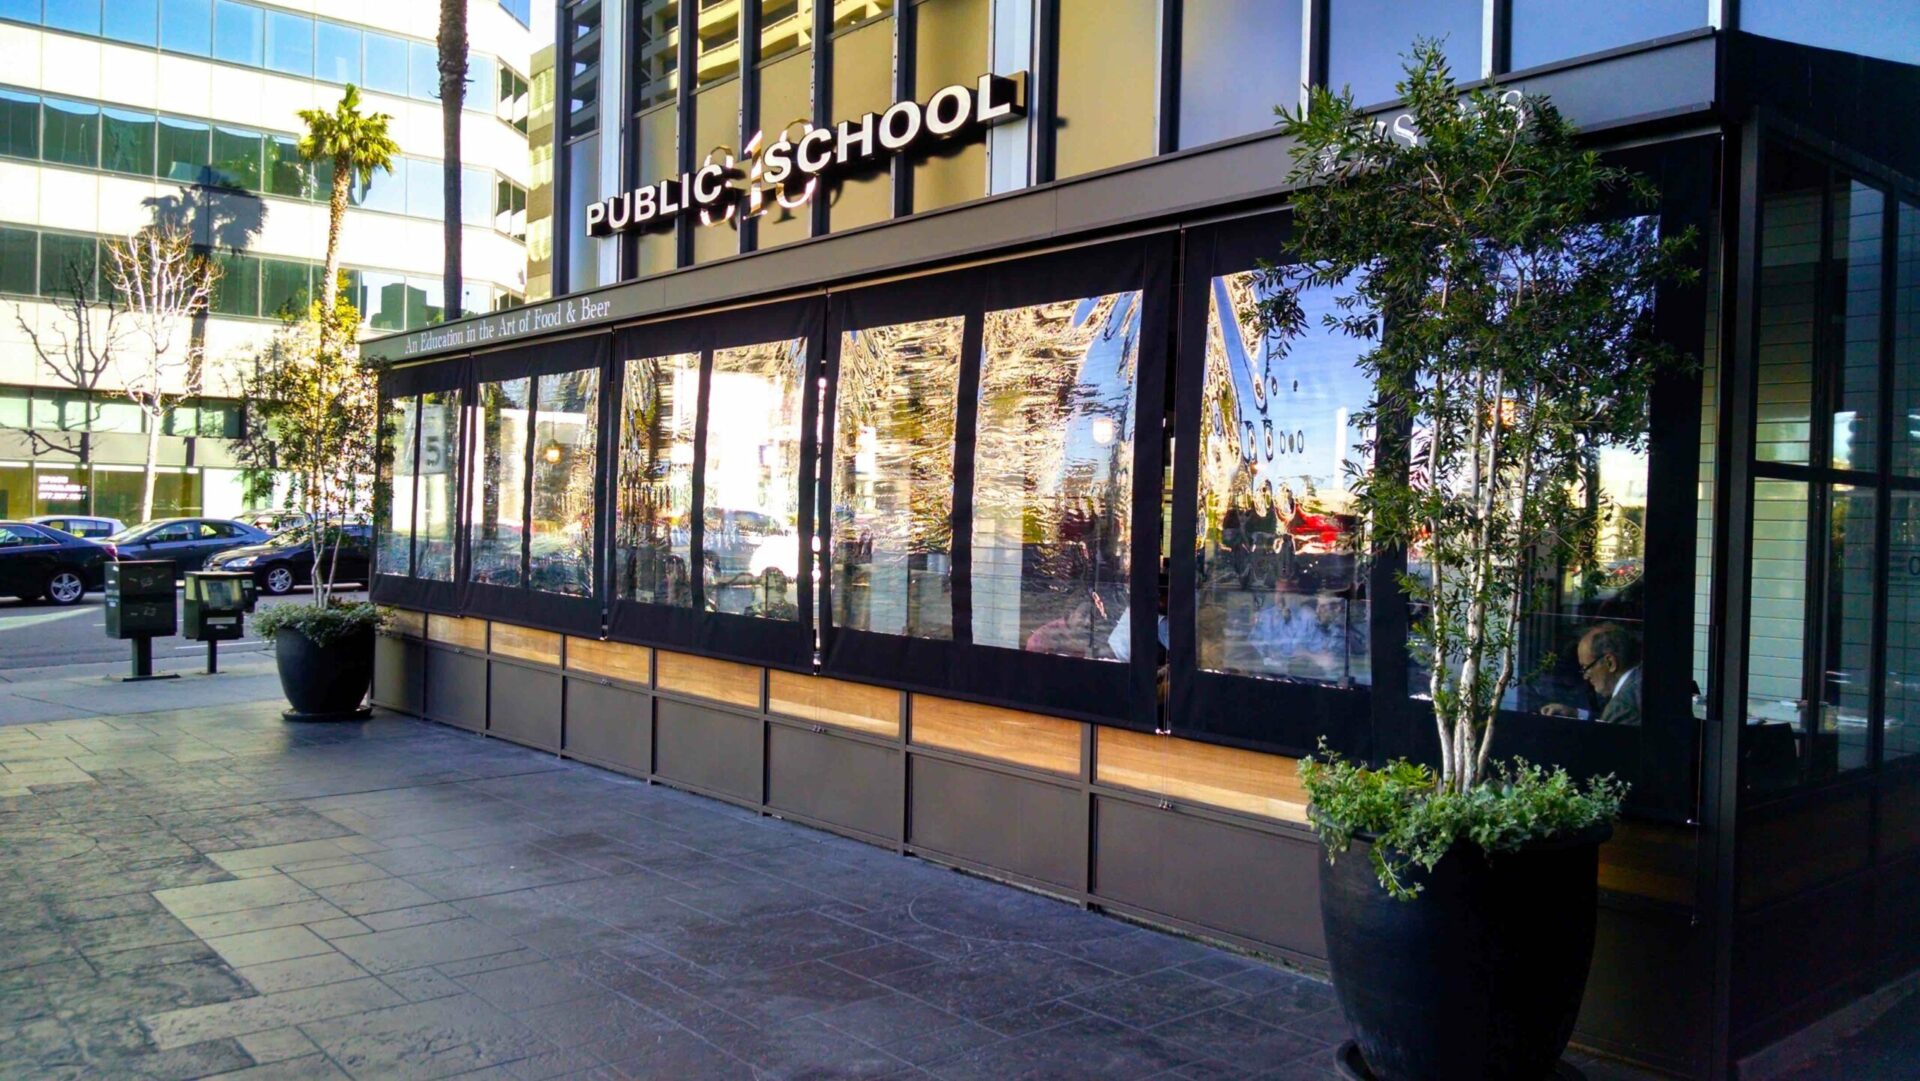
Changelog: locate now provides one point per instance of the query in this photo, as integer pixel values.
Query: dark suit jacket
(1624, 706)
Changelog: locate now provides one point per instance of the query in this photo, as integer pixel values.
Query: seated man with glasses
(1609, 662)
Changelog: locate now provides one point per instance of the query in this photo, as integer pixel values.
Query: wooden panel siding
(1650, 859)
(704, 677)
(458, 631)
(527, 644)
(615, 660)
(1267, 785)
(405, 622)
(875, 710)
(1027, 739)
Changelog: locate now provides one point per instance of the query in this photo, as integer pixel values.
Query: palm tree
(453, 88)
(355, 144)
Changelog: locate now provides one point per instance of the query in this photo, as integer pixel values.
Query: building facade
(115, 115)
(903, 414)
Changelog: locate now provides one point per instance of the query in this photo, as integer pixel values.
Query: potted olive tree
(1503, 279)
(313, 435)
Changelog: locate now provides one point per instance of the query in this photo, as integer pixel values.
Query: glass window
(387, 190)
(565, 441)
(127, 142)
(14, 401)
(583, 188)
(1789, 288)
(286, 171)
(236, 158)
(750, 541)
(186, 26)
(18, 258)
(521, 10)
(1053, 477)
(237, 32)
(394, 555)
(1778, 624)
(26, 11)
(1902, 737)
(1543, 31)
(1889, 30)
(785, 26)
(439, 468)
(19, 124)
(290, 43)
(72, 134)
(136, 22)
(426, 189)
(424, 302)
(1231, 80)
(1281, 588)
(383, 300)
(583, 71)
(238, 291)
(386, 64)
(117, 415)
(67, 263)
(862, 83)
(183, 150)
(336, 52)
(1906, 343)
(659, 157)
(285, 288)
(1368, 42)
(1859, 215)
(1107, 94)
(75, 16)
(499, 491)
(423, 66)
(1841, 741)
(480, 82)
(786, 106)
(950, 48)
(476, 197)
(893, 478)
(653, 506)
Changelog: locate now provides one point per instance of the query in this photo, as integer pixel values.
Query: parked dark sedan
(39, 562)
(285, 560)
(188, 542)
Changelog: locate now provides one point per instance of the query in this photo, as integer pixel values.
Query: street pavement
(212, 891)
(35, 635)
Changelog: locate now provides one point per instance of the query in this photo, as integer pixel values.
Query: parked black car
(188, 542)
(39, 562)
(285, 560)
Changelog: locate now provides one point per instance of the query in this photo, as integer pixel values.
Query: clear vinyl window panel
(565, 452)
(1280, 581)
(750, 537)
(893, 478)
(1902, 734)
(497, 526)
(1053, 477)
(653, 509)
(395, 554)
(435, 524)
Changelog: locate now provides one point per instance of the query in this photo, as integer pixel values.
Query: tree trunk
(453, 88)
(336, 217)
(153, 459)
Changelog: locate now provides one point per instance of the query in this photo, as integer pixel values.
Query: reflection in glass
(1776, 634)
(439, 470)
(395, 553)
(1281, 589)
(893, 478)
(653, 509)
(1791, 194)
(659, 133)
(183, 150)
(237, 32)
(1547, 30)
(1841, 741)
(1906, 343)
(78, 16)
(1230, 80)
(1107, 100)
(134, 21)
(498, 494)
(565, 443)
(1367, 42)
(338, 53)
(236, 158)
(657, 55)
(716, 137)
(1053, 476)
(186, 26)
(1858, 228)
(950, 47)
(19, 125)
(750, 541)
(1902, 735)
(862, 83)
(1889, 30)
(72, 133)
(583, 189)
(126, 142)
(290, 43)
(386, 64)
(786, 106)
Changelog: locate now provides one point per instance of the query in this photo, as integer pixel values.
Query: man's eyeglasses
(1587, 668)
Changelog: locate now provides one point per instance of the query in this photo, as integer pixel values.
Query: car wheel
(65, 587)
(277, 581)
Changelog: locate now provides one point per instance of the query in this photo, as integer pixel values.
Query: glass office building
(880, 499)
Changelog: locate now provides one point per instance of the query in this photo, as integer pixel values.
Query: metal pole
(143, 657)
(213, 656)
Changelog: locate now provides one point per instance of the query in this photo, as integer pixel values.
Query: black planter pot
(1479, 977)
(325, 682)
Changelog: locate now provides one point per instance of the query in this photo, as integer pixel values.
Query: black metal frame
(407, 590)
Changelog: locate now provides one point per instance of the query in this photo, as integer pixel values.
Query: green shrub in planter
(322, 626)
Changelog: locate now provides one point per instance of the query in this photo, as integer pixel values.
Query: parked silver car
(91, 527)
